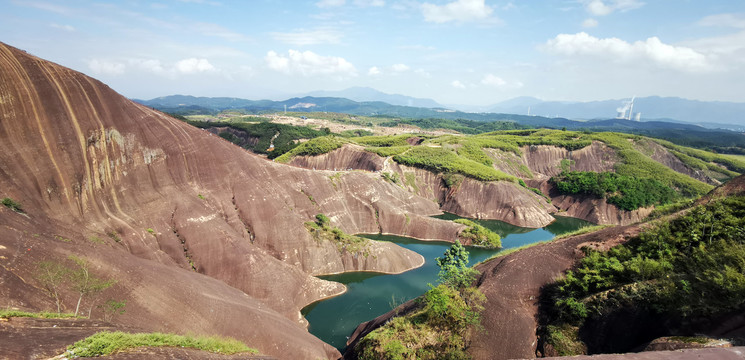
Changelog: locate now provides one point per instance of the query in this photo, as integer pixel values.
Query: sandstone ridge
(169, 199)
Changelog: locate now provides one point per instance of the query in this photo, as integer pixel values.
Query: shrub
(12, 205)
(479, 235)
(322, 220)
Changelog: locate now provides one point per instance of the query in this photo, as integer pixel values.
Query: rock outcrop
(174, 203)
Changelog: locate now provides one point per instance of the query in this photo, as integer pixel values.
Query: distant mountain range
(706, 113)
(368, 101)
(362, 94)
(679, 132)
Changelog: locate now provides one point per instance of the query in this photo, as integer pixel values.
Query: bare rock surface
(347, 157)
(190, 224)
(735, 353)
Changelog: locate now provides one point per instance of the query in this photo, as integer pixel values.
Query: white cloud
(105, 67)
(400, 67)
(601, 8)
(417, 47)
(589, 23)
(193, 65)
(459, 11)
(309, 37)
(457, 84)
(373, 71)
(492, 80)
(208, 29)
(423, 73)
(67, 28)
(151, 65)
(651, 51)
(724, 20)
(366, 3)
(330, 3)
(308, 63)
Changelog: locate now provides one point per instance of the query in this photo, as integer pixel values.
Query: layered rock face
(180, 202)
(507, 201)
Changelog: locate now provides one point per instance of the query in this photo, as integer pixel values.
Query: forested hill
(465, 122)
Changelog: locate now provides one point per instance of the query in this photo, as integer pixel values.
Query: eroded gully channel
(371, 294)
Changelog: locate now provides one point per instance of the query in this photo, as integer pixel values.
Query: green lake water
(371, 294)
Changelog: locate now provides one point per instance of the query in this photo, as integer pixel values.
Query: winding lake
(371, 294)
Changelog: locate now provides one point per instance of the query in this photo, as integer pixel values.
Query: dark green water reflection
(370, 295)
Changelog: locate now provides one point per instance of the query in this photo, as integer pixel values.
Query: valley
(244, 226)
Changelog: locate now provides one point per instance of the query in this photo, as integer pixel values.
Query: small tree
(52, 275)
(322, 220)
(111, 308)
(84, 282)
(454, 270)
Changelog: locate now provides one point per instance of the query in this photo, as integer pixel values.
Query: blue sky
(475, 52)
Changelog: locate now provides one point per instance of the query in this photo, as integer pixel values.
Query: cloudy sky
(475, 52)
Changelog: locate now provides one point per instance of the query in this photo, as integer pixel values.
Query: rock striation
(184, 214)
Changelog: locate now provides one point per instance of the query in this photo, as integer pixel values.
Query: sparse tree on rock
(84, 282)
(52, 276)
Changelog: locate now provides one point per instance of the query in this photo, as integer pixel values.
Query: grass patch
(96, 240)
(388, 151)
(410, 180)
(6, 314)
(565, 340)
(106, 343)
(583, 230)
(385, 140)
(440, 160)
(321, 230)
(312, 147)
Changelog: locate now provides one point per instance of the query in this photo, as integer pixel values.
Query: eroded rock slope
(183, 214)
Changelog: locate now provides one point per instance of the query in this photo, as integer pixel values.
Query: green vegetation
(689, 267)
(150, 231)
(260, 132)
(385, 140)
(96, 240)
(439, 327)
(112, 307)
(709, 159)
(537, 191)
(113, 235)
(410, 180)
(389, 150)
(6, 314)
(440, 160)
(12, 205)
(75, 275)
(634, 163)
(312, 147)
(392, 177)
(106, 343)
(583, 230)
(321, 230)
(460, 125)
(473, 152)
(626, 192)
(479, 235)
(565, 340)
